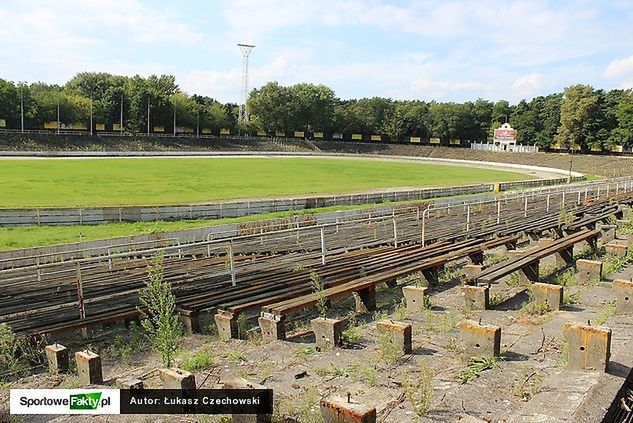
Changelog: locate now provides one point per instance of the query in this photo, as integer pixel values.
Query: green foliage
(353, 333)
(533, 307)
(127, 343)
(439, 322)
(159, 313)
(528, 383)
(198, 361)
(11, 360)
(475, 366)
(318, 287)
(363, 372)
(419, 391)
(305, 352)
(607, 310)
(614, 264)
(387, 349)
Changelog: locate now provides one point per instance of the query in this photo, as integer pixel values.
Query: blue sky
(454, 50)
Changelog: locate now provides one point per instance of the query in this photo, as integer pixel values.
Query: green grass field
(100, 182)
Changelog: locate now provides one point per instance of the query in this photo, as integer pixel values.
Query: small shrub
(10, 359)
(127, 343)
(198, 361)
(365, 372)
(528, 383)
(318, 287)
(608, 310)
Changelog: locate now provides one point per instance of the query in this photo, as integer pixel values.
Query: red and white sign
(505, 134)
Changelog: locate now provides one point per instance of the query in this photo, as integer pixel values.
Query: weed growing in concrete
(198, 361)
(614, 264)
(449, 273)
(159, 313)
(566, 279)
(381, 315)
(419, 391)
(475, 366)
(353, 333)
(400, 312)
(571, 298)
(497, 299)
(387, 350)
(329, 371)
(453, 345)
(439, 323)
(513, 280)
(565, 217)
(302, 408)
(533, 307)
(233, 355)
(607, 310)
(528, 383)
(365, 372)
(318, 287)
(305, 352)
(127, 343)
(242, 326)
(492, 259)
(563, 360)
(10, 360)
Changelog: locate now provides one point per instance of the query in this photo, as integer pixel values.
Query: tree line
(579, 117)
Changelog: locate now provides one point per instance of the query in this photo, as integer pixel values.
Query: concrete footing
(607, 233)
(89, 368)
(365, 299)
(470, 271)
(247, 418)
(400, 333)
(476, 297)
(479, 340)
(615, 250)
(589, 346)
(272, 329)
(565, 257)
(227, 326)
(589, 271)
(340, 410)
(327, 332)
(545, 293)
(131, 383)
(414, 297)
(190, 321)
(624, 296)
(177, 379)
(57, 357)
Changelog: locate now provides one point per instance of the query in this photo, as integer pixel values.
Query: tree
(9, 102)
(159, 314)
(580, 117)
(274, 106)
(623, 132)
(525, 120)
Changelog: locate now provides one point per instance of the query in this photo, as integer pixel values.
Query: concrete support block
(476, 297)
(190, 321)
(529, 274)
(227, 326)
(247, 418)
(414, 297)
(565, 257)
(177, 379)
(131, 383)
(512, 254)
(607, 233)
(589, 271)
(552, 295)
(429, 276)
(399, 332)
(544, 242)
(479, 340)
(88, 368)
(624, 296)
(340, 410)
(621, 223)
(272, 329)
(589, 346)
(57, 357)
(470, 271)
(615, 250)
(365, 299)
(327, 332)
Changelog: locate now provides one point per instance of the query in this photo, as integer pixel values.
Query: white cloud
(621, 70)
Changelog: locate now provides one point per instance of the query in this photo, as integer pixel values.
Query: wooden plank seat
(528, 263)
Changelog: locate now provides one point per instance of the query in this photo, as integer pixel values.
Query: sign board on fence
(434, 141)
(80, 126)
(299, 134)
(100, 126)
(116, 127)
(3, 123)
(261, 133)
(206, 130)
(615, 148)
(337, 136)
(225, 131)
(280, 134)
(415, 139)
(455, 142)
(318, 135)
(50, 125)
(375, 138)
(357, 137)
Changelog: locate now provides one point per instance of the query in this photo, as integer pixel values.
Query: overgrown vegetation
(419, 390)
(318, 287)
(198, 361)
(127, 342)
(353, 333)
(528, 382)
(11, 361)
(387, 349)
(607, 310)
(534, 307)
(614, 264)
(158, 312)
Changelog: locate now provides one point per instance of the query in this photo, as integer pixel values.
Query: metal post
(617, 188)
(232, 262)
(525, 207)
(598, 196)
(578, 201)
(547, 203)
(22, 108)
(395, 233)
(586, 193)
(468, 217)
(424, 214)
(174, 119)
(58, 117)
(608, 190)
(91, 133)
(322, 245)
(80, 297)
(498, 212)
(148, 116)
(121, 117)
(563, 199)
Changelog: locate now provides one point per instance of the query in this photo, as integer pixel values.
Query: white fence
(515, 149)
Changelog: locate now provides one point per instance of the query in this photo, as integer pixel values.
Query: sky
(452, 50)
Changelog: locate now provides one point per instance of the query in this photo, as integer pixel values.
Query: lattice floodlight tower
(246, 51)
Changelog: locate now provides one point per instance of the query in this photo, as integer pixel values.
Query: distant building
(505, 138)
